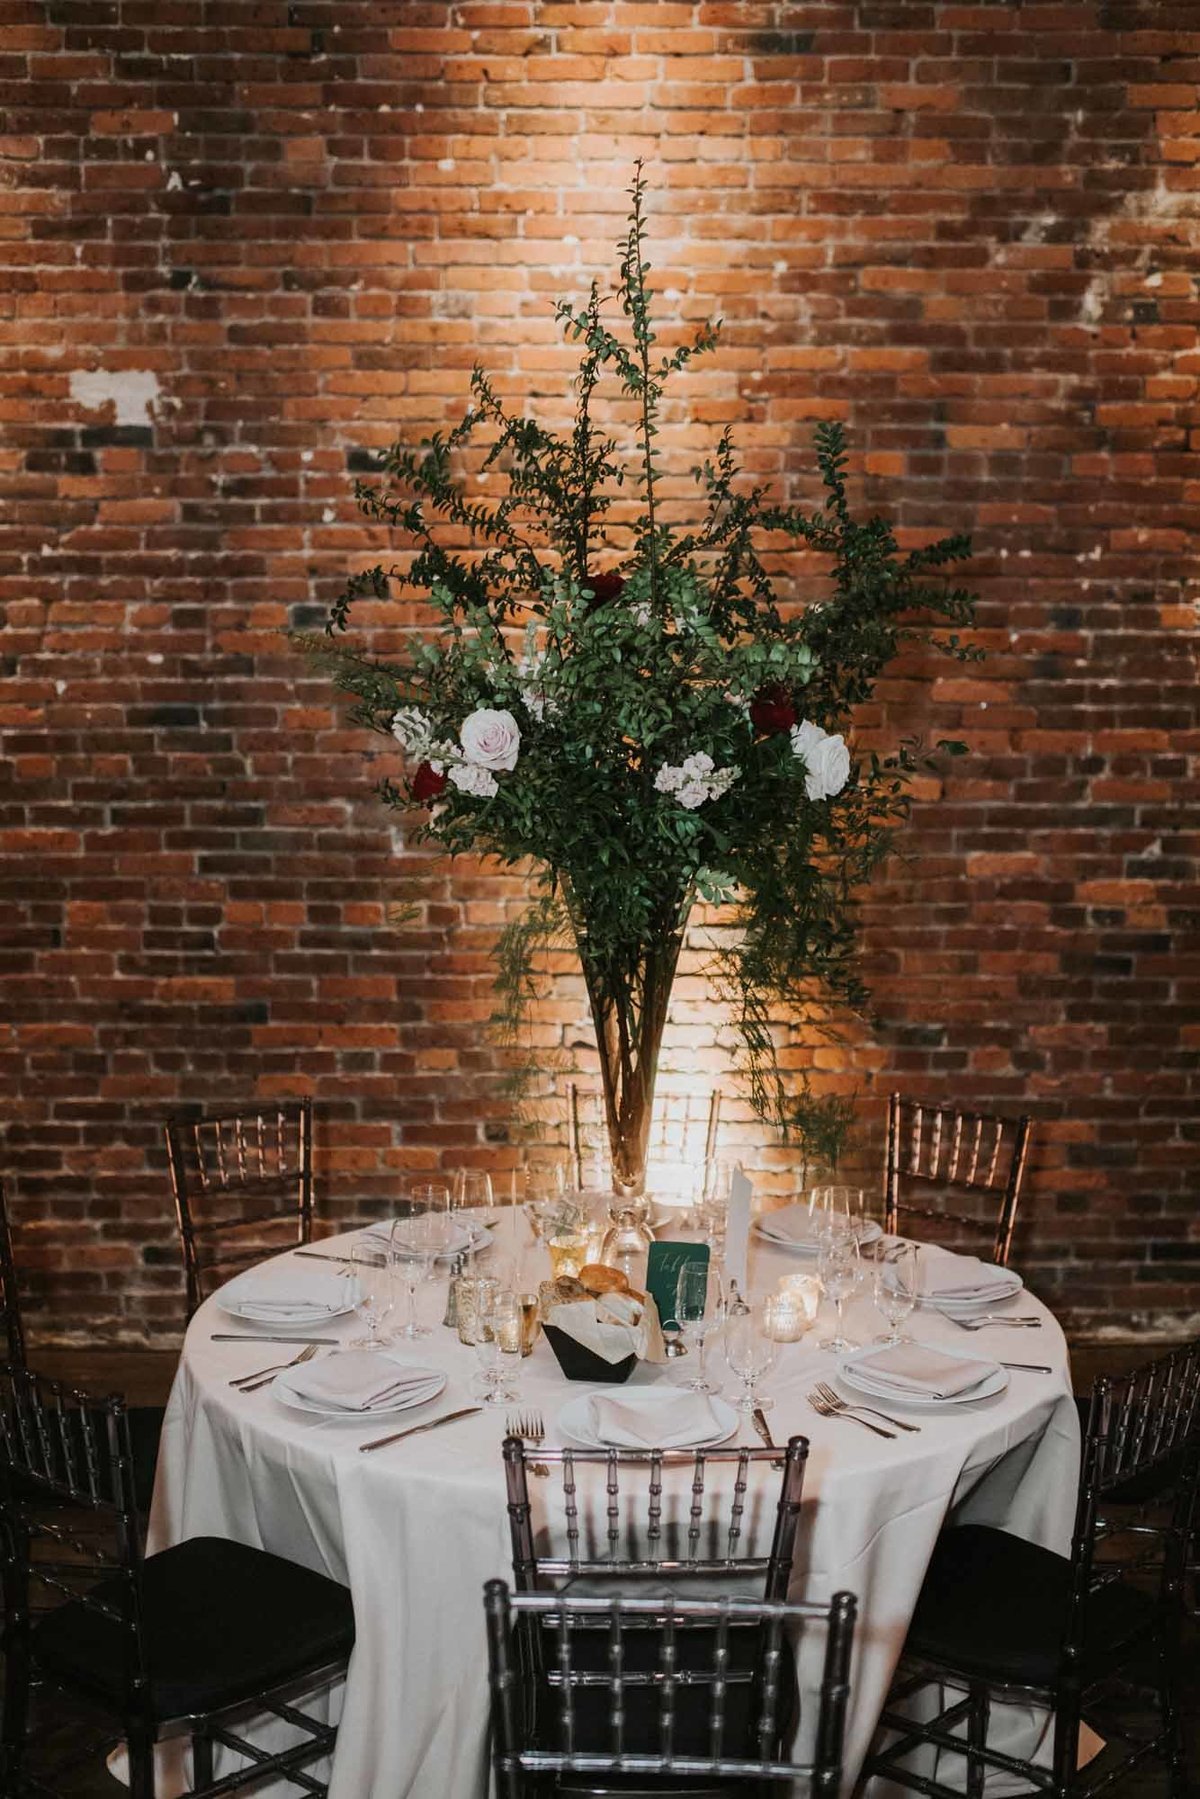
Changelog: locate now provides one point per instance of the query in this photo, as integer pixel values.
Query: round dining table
(416, 1528)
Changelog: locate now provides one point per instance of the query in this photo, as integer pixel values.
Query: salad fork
(530, 1428)
(825, 1410)
(838, 1404)
(250, 1383)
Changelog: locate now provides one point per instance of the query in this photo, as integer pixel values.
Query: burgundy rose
(605, 588)
(772, 710)
(427, 783)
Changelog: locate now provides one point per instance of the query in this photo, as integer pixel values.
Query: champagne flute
(840, 1269)
(698, 1307)
(751, 1354)
(374, 1269)
(712, 1212)
(898, 1288)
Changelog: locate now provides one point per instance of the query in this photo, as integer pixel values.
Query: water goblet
(498, 1329)
(840, 1269)
(698, 1308)
(417, 1241)
(374, 1270)
(898, 1288)
(751, 1354)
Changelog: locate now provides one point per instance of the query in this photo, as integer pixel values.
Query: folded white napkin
(297, 1292)
(912, 1368)
(458, 1237)
(962, 1277)
(633, 1422)
(791, 1224)
(359, 1379)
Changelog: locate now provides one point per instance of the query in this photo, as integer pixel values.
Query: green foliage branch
(608, 681)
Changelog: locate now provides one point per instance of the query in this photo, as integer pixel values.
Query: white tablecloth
(416, 1529)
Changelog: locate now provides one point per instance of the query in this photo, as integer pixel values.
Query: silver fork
(250, 1383)
(530, 1428)
(838, 1404)
(1024, 1321)
(823, 1407)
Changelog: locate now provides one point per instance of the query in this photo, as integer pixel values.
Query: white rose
(490, 739)
(692, 794)
(668, 779)
(805, 737)
(830, 767)
(470, 779)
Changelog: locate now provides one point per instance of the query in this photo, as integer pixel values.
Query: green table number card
(662, 1274)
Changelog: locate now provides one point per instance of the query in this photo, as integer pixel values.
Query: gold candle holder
(531, 1321)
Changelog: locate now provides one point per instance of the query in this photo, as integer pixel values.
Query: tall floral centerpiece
(635, 708)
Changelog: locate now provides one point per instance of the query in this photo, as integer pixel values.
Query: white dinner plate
(572, 1421)
(285, 1389)
(803, 1240)
(848, 1373)
(340, 1288)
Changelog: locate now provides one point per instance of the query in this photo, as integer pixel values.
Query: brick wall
(246, 243)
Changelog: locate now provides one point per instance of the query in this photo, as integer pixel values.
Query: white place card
(737, 1228)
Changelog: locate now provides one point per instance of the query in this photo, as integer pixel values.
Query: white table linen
(417, 1528)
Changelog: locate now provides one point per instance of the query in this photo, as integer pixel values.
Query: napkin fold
(631, 1422)
(913, 1368)
(962, 1277)
(791, 1224)
(293, 1292)
(357, 1380)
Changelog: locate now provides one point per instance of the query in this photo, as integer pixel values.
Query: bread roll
(599, 1278)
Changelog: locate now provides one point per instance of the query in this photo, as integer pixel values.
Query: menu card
(737, 1229)
(663, 1264)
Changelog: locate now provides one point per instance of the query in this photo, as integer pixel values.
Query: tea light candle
(804, 1291)
(784, 1318)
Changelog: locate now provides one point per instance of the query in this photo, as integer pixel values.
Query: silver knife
(247, 1337)
(760, 1425)
(467, 1411)
(1028, 1367)
(316, 1255)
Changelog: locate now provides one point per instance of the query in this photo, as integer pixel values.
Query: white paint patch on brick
(132, 392)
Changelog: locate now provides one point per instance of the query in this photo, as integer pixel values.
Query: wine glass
(840, 1269)
(898, 1288)
(751, 1354)
(430, 1196)
(417, 1241)
(374, 1269)
(840, 1206)
(472, 1193)
(698, 1307)
(498, 1330)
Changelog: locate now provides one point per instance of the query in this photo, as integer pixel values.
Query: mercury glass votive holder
(804, 1290)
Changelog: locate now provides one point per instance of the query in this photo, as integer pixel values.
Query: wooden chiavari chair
(936, 1154)
(243, 1189)
(193, 1635)
(666, 1712)
(1002, 1619)
(145, 1421)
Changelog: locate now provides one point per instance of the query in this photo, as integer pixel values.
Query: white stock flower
(469, 778)
(413, 732)
(826, 759)
(534, 697)
(695, 780)
(490, 739)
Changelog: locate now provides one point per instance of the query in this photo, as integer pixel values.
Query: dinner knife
(248, 1337)
(316, 1255)
(1028, 1367)
(467, 1411)
(760, 1425)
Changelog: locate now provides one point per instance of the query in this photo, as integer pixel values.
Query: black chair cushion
(996, 1606)
(222, 1623)
(693, 1705)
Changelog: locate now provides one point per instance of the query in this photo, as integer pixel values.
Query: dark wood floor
(145, 1379)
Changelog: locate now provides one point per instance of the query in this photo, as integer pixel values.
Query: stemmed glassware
(898, 1287)
(840, 1269)
(712, 1208)
(751, 1354)
(498, 1328)
(417, 1241)
(375, 1271)
(699, 1305)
